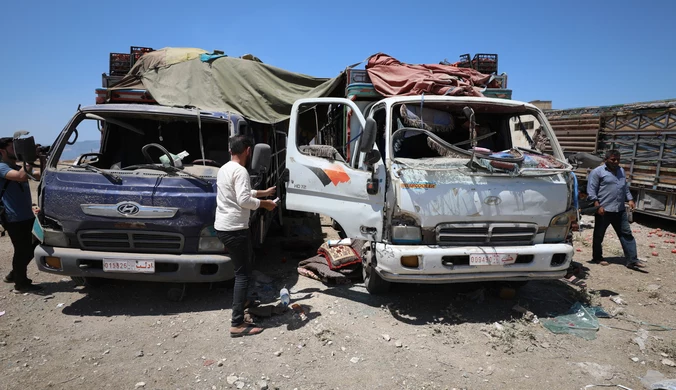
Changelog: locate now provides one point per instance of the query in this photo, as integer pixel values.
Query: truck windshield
(115, 141)
(506, 137)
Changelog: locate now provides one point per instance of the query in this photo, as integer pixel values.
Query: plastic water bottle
(284, 296)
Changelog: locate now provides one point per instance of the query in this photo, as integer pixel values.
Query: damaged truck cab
(141, 204)
(440, 187)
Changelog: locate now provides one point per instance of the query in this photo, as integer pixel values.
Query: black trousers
(238, 243)
(21, 234)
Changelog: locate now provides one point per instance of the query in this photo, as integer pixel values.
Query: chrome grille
(486, 234)
(119, 240)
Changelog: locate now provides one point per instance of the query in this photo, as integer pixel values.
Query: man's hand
(265, 193)
(601, 211)
(268, 204)
(632, 205)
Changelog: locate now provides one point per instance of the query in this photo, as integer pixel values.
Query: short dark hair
(5, 142)
(239, 143)
(613, 153)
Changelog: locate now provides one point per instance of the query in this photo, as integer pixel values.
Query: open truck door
(321, 181)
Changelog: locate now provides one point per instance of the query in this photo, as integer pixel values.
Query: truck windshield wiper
(113, 177)
(168, 169)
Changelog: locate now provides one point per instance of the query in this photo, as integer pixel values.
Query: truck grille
(121, 240)
(494, 234)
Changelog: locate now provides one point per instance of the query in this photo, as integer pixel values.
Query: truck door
(321, 181)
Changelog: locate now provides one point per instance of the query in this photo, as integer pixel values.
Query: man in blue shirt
(608, 189)
(18, 218)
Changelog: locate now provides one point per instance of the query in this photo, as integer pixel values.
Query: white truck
(440, 187)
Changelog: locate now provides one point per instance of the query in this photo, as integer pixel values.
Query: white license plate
(134, 266)
(492, 259)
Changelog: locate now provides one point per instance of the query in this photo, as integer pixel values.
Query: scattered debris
(398, 344)
(139, 354)
(278, 353)
(641, 338)
(668, 362)
(354, 360)
(220, 363)
(60, 305)
(387, 337)
(239, 384)
(655, 380)
(618, 300)
(231, 379)
(139, 385)
(208, 362)
(635, 359)
(2, 313)
(262, 385)
(527, 314)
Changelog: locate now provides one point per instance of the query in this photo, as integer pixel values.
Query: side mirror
(260, 159)
(371, 157)
(24, 148)
(368, 137)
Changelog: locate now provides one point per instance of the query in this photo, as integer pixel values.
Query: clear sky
(575, 53)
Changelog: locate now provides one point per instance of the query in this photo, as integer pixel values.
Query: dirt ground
(125, 335)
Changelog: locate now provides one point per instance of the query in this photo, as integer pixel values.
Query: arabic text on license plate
(135, 266)
(492, 259)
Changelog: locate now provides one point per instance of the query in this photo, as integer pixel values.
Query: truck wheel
(88, 282)
(375, 285)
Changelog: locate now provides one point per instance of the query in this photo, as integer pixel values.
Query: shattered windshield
(484, 136)
(130, 141)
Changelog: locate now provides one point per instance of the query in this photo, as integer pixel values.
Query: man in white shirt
(234, 203)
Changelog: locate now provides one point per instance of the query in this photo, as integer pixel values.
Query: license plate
(133, 266)
(492, 259)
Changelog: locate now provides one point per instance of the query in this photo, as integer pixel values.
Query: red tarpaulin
(393, 78)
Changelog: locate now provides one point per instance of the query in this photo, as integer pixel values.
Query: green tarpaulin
(259, 92)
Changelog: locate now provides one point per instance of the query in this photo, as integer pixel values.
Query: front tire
(373, 282)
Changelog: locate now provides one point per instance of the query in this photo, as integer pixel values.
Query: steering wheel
(208, 162)
(149, 159)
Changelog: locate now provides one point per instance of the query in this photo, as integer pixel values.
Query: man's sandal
(637, 266)
(245, 329)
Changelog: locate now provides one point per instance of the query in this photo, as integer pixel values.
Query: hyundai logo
(127, 208)
(492, 200)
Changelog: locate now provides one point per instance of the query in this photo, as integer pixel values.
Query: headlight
(53, 233)
(406, 235)
(209, 242)
(55, 238)
(559, 226)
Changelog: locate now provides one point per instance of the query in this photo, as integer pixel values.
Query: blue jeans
(620, 223)
(239, 246)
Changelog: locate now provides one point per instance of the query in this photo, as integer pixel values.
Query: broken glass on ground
(581, 321)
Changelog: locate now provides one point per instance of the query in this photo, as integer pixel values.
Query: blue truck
(132, 209)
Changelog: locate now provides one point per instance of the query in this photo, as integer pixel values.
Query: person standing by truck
(18, 216)
(234, 203)
(608, 189)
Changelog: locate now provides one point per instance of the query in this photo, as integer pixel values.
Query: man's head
(7, 149)
(613, 159)
(240, 146)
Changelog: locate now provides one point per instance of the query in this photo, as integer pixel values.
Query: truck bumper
(437, 264)
(184, 268)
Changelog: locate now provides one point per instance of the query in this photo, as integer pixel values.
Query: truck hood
(179, 204)
(448, 192)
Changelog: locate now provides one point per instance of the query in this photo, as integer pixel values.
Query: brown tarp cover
(260, 92)
(391, 77)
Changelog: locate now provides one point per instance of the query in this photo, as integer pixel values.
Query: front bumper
(184, 268)
(439, 264)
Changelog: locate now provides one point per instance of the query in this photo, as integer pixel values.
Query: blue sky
(575, 53)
